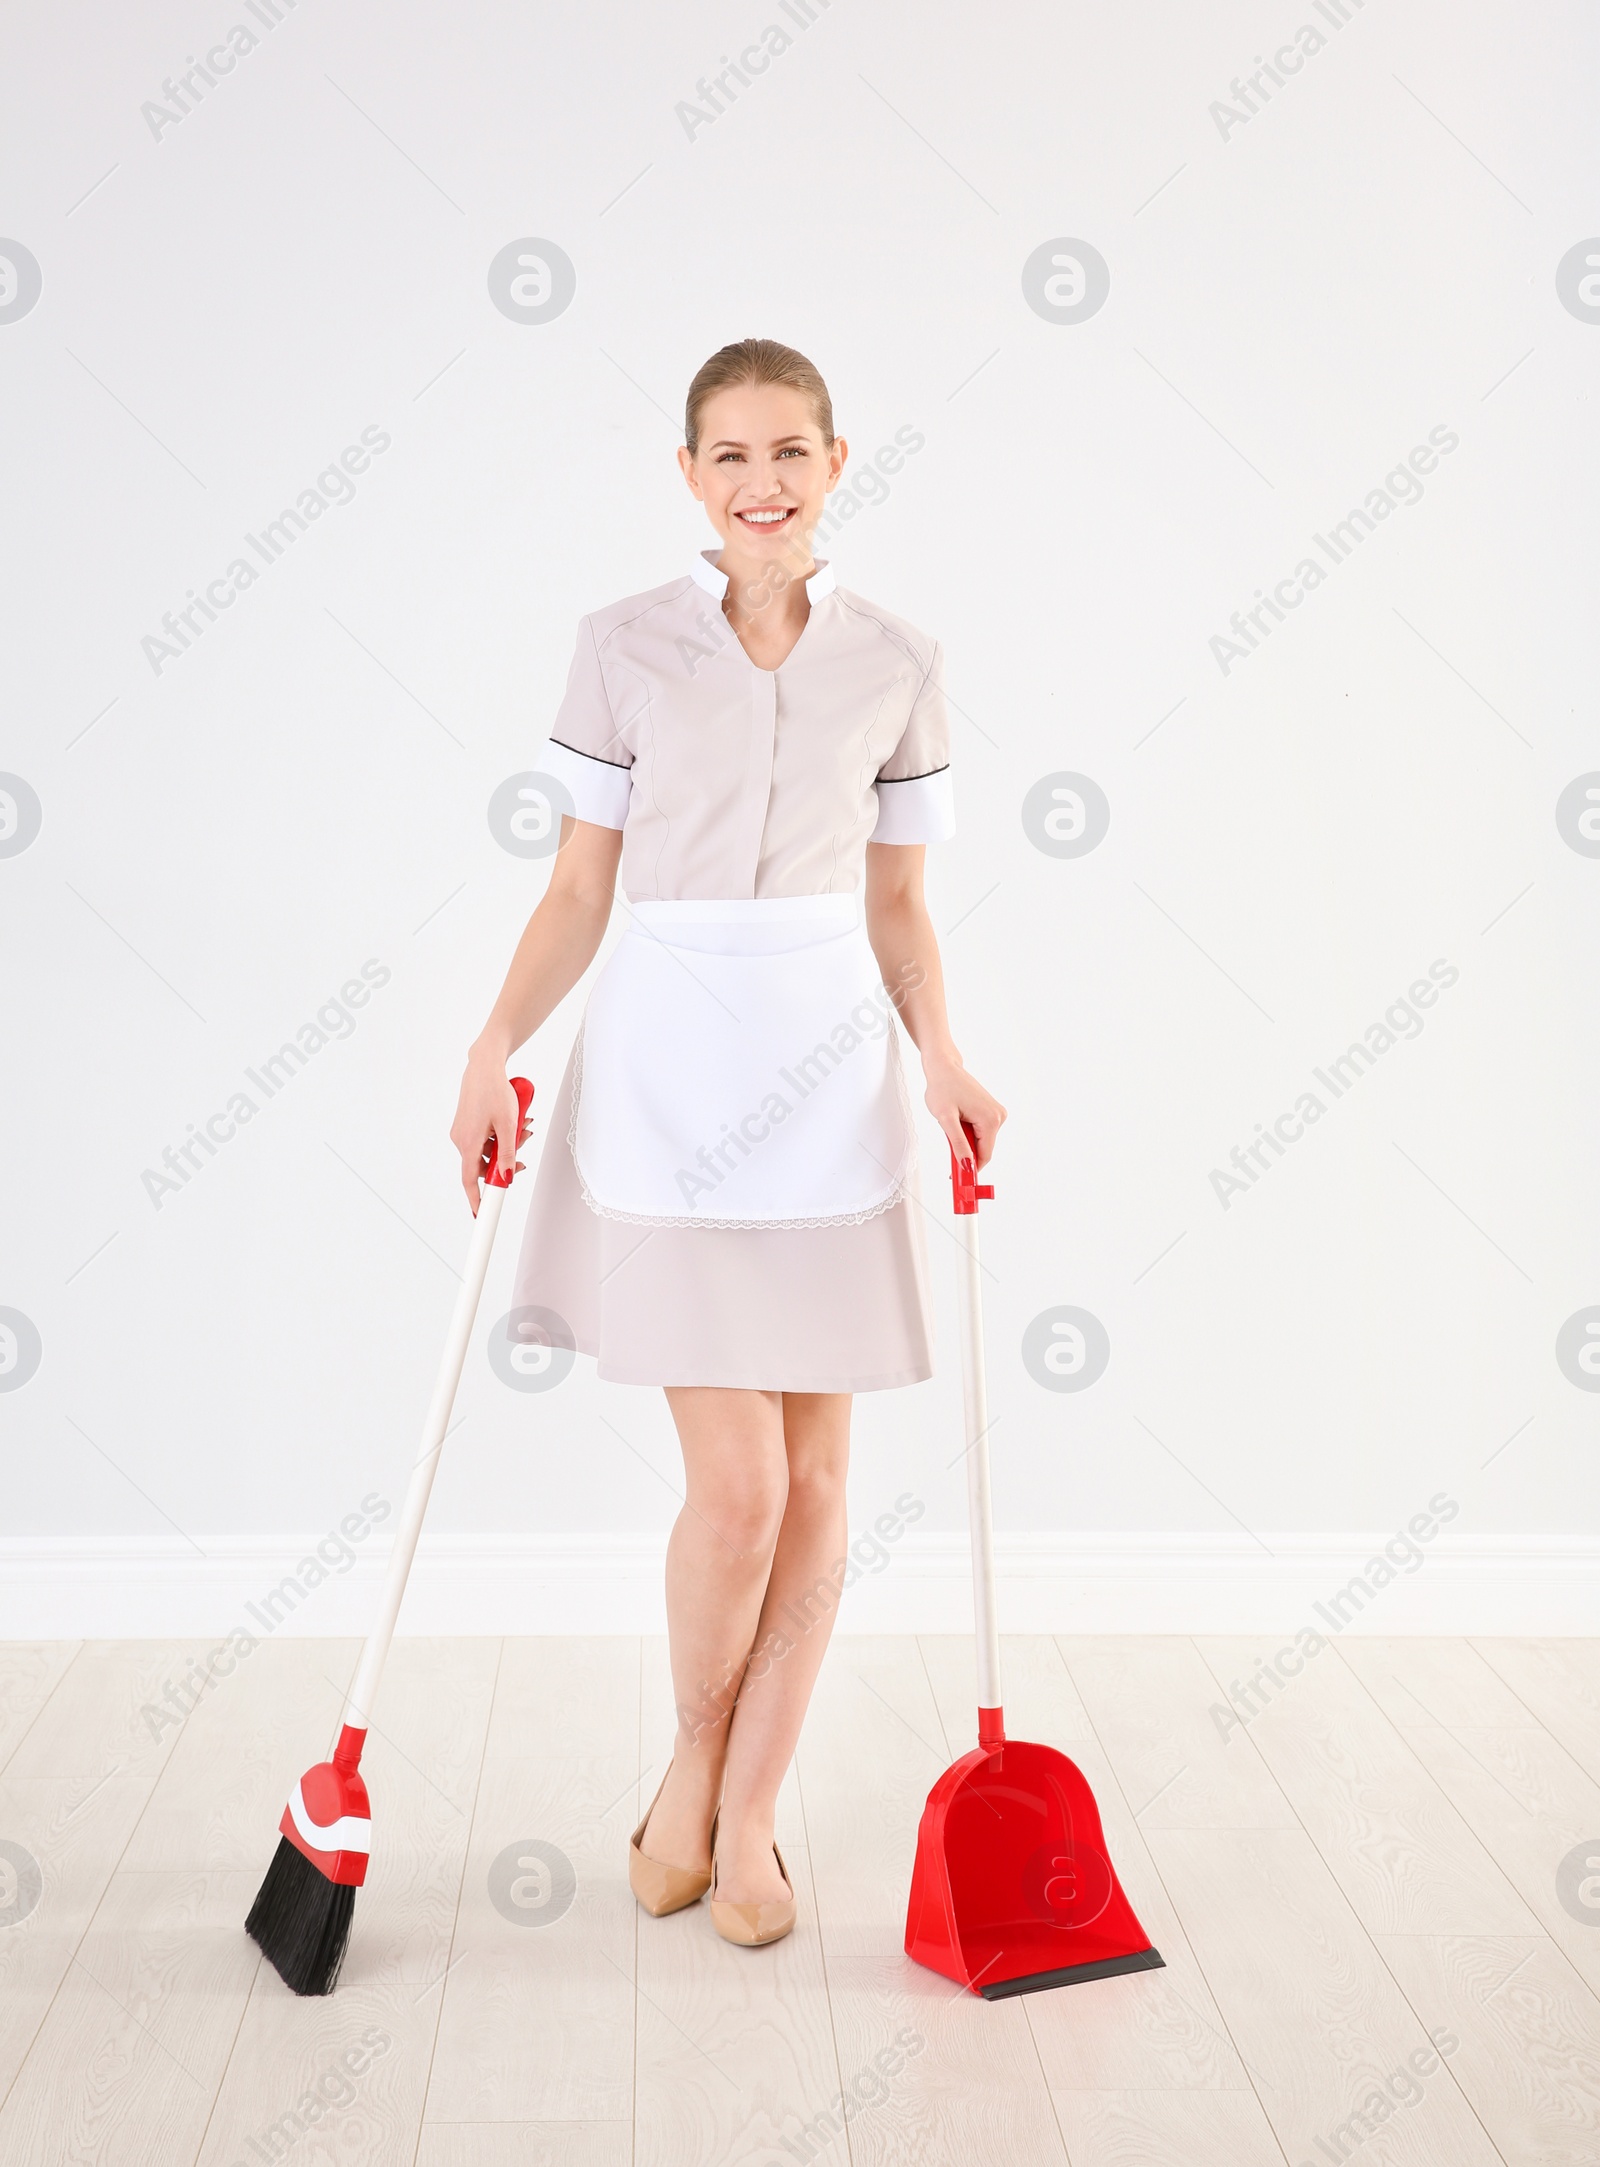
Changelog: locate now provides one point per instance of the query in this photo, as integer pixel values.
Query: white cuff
(919, 810)
(600, 791)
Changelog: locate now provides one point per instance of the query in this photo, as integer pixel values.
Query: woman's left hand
(953, 1097)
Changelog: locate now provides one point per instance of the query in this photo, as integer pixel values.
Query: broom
(303, 1911)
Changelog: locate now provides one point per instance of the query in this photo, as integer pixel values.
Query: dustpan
(1013, 1890)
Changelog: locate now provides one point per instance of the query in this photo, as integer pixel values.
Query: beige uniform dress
(746, 798)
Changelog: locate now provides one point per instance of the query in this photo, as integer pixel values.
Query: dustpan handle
(497, 1173)
(975, 1402)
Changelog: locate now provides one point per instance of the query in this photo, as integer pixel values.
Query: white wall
(1293, 306)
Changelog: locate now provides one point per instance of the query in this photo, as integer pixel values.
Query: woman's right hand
(487, 1108)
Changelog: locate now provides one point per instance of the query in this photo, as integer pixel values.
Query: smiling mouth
(767, 518)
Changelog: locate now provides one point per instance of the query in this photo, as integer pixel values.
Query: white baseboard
(116, 1588)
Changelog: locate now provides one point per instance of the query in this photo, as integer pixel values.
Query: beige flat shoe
(751, 1925)
(659, 1887)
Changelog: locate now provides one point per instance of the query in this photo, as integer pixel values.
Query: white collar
(705, 574)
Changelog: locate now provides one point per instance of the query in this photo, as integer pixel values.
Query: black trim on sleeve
(623, 766)
(922, 778)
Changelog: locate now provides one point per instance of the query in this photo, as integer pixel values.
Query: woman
(726, 1202)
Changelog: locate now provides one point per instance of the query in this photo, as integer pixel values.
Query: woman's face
(762, 470)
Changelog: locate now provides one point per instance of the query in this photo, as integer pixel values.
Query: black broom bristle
(301, 1920)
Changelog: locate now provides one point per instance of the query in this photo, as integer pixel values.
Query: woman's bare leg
(788, 1644)
(754, 1567)
(719, 1560)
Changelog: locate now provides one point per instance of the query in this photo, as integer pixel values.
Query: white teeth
(764, 519)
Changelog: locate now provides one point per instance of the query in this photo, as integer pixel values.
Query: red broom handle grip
(967, 1190)
(489, 1166)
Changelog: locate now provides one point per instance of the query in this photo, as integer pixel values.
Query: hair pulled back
(756, 361)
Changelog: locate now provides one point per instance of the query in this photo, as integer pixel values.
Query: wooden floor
(1361, 1885)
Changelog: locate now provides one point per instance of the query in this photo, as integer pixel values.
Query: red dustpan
(1012, 1890)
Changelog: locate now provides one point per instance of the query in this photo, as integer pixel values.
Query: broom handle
(968, 1194)
(364, 1692)
(980, 1516)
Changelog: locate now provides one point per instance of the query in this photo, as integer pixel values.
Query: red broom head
(329, 1817)
(302, 1915)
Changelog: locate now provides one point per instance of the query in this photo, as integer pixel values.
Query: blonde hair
(756, 361)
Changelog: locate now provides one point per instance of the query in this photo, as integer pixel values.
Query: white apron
(738, 1067)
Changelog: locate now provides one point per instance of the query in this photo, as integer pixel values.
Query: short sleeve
(916, 803)
(586, 752)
